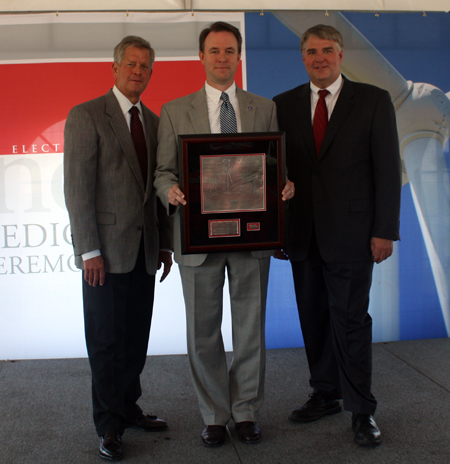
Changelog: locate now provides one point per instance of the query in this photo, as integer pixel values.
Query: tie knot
(323, 93)
(225, 97)
(134, 111)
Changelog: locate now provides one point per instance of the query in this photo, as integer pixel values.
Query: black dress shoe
(248, 432)
(111, 446)
(147, 423)
(317, 406)
(213, 435)
(366, 430)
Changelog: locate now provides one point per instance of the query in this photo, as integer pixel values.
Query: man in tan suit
(237, 393)
(120, 238)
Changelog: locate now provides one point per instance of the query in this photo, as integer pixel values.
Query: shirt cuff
(90, 254)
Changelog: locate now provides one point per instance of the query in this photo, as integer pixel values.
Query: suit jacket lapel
(246, 110)
(120, 128)
(199, 113)
(152, 143)
(302, 114)
(344, 104)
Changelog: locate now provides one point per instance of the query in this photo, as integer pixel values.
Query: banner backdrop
(50, 63)
(407, 55)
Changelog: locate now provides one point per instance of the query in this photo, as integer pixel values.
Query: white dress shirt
(334, 90)
(214, 103)
(126, 105)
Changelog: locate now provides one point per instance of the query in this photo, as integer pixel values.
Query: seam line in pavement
(417, 370)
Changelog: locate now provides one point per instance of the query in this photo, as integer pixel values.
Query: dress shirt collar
(334, 88)
(125, 104)
(215, 94)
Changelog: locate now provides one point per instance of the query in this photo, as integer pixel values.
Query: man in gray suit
(237, 393)
(120, 238)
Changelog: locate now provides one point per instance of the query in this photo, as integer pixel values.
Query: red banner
(37, 97)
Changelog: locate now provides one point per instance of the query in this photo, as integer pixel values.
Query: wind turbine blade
(430, 189)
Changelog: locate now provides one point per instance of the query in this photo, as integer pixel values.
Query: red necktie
(137, 134)
(320, 121)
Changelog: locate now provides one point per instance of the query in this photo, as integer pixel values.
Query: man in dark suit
(120, 238)
(222, 394)
(343, 156)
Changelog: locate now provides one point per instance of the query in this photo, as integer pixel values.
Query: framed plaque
(232, 185)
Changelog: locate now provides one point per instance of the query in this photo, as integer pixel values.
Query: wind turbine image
(423, 114)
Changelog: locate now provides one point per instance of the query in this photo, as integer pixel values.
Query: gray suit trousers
(238, 392)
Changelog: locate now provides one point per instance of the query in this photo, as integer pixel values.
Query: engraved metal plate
(224, 228)
(233, 183)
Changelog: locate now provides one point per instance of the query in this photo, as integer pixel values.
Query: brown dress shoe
(248, 432)
(111, 446)
(319, 405)
(366, 430)
(147, 423)
(213, 435)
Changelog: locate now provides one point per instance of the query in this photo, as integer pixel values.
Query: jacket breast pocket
(106, 218)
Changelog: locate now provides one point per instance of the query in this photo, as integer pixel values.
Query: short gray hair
(132, 41)
(322, 32)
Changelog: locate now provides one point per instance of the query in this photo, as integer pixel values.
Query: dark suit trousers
(117, 320)
(333, 300)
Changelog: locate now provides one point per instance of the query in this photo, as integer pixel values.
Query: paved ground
(45, 413)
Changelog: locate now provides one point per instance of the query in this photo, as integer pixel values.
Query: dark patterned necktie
(320, 121)
(228, 124)
(137, 134)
